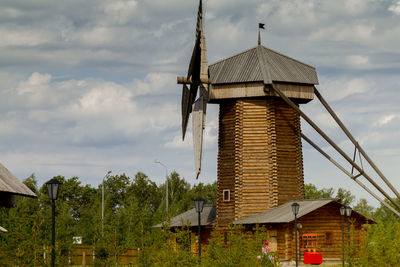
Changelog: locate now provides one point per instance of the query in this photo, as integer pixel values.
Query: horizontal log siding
(259, 157)
(255, 163)
(320, 221)
(289, 152)
(226, 162)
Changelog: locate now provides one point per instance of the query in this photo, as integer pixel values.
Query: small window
(226, 195)
(328, 238)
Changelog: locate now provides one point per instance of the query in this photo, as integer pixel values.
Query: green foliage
(311, 192)
(242, 249)
(344, 195)
(132, 207)
(363, 208)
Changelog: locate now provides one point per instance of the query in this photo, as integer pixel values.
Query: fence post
(83, 258)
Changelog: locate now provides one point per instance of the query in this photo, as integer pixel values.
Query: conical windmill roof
(261, 64)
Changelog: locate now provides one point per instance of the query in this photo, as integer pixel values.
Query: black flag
(261, 26)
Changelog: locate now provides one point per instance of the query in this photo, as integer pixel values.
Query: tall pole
(166, 185)
(199, 217)
(348, 231)
(295, 238)
(53, 232)
(342, 240)
(102, 205)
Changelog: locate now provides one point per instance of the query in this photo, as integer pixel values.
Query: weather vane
(260, 26)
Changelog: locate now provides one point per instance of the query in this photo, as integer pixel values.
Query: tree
(345, 196)
(363, 208)
(311, 192)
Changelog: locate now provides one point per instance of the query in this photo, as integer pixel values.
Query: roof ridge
(235, 55)
(298, 61)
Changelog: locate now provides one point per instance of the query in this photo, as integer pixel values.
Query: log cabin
(319, 217)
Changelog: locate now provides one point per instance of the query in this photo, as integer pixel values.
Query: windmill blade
(197, 128)
(194, 65)
(195, 61)
(185, 108)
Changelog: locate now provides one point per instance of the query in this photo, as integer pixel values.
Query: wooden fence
(85, 256)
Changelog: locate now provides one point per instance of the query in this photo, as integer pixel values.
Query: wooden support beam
(186, 80)
(333, 144)
(308, 140)
(353, 140)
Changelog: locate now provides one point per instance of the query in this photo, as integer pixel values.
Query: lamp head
(348, 211)
(295, 208)
(199, 204)
(342, 210)
(52, 188)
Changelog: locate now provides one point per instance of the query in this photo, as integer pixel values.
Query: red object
(311, 256)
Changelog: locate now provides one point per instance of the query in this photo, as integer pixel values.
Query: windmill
(260, 163)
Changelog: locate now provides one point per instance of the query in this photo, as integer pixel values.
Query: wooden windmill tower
(260, 162)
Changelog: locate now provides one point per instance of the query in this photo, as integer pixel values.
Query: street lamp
(295, 210)
(342, 212)
(199, 204)
(166, 184)
(52, 188)
(102, 204)
(348, 214)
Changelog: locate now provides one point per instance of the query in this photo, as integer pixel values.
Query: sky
(88, 86)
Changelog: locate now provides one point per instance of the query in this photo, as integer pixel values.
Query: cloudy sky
(88, 86)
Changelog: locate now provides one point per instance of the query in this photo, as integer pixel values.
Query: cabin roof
(190, 218)
(284, 214)
(11, 184)
(261, 64)
(280, 214)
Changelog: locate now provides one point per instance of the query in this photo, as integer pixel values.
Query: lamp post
(199, 204)
(166, 184)
(52, 189)
(342, 211)
(295, 210)
(102, 204)
(348, 214)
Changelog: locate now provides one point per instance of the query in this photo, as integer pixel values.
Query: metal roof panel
(190, 218)
(261, 64)
(11, 184)
(283, 213)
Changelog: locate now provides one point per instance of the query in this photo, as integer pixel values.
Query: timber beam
(334, 145)
(188, 80)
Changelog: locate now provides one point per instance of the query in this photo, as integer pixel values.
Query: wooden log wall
(226, 162)
(259, 157)
(322, 221)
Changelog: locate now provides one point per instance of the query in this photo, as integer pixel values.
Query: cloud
(395, 8)
(384, 120)
(357, 60)
(120, 11)
(88, 86)
(334, 90)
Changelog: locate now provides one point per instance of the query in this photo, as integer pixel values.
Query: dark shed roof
(11, 184)
(261, 64)
(284, 214)
(190, 218)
